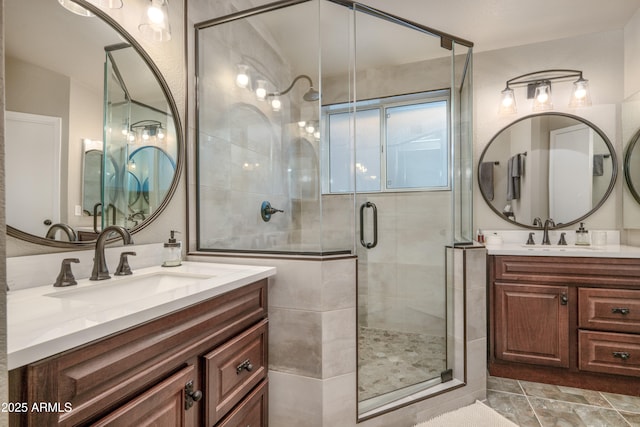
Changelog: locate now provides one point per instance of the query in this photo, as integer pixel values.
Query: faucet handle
(562, 241)
(530, 239)
(65, 277)
(123, 268)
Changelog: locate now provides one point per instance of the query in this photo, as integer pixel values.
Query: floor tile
(632, 419)
(553, 413)
(564, 394)
(504, 384)
(514, 407)
(624, 403)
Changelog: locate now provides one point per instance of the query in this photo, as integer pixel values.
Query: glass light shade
(507, 102)
(542, 97)
(242, 78)
(276, 104)
(261, 90)
(154, 24)
(580, 96)
(74, 7)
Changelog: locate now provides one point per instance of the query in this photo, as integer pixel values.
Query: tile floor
(531, 404)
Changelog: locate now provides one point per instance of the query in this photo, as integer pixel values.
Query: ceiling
(496, 24)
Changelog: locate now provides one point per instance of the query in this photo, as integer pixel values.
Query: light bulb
(276, 104)
(310, 128)
(145, 135)
(242, 78)
(543, 96)
(160, 134)
(261, 90)
(155, 14)
(301, 124)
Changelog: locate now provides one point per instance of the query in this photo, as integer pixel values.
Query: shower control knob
(266, 211)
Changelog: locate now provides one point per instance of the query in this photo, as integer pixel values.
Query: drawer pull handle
(190, 396)
(621, 354)
(620, 310)
(246, 365)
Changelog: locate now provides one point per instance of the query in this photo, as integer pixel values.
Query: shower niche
(357, 125)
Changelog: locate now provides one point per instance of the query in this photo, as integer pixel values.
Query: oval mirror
(548, 165)
(71, 79)
(632, 166)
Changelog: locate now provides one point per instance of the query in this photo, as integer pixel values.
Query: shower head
(311, 95)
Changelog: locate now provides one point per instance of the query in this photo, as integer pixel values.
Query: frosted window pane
(367, 164)
(417, 155)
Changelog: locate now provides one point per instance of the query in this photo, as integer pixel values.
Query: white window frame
(382, 105)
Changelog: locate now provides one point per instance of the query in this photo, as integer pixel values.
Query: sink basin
(129, 288)
(561, 248)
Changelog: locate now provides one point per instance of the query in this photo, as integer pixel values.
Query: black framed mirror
(632, 166)
(59, 71)
(548, 165)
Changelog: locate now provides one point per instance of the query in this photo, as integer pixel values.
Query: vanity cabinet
(202, 365)
(570, 321)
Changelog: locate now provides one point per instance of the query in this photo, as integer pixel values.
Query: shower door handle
(373, 244)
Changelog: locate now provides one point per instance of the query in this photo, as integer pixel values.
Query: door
(161, 406)
(32, 148)
(570, 168)
(532, 324)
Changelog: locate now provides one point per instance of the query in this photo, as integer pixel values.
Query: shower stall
(327, 128)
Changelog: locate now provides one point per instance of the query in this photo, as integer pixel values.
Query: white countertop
(43, 321)
(571, 250)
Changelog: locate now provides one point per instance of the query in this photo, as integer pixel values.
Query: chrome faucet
(100, 270)
(71, 235)
(545, 236)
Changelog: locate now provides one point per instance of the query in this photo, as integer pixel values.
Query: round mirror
(72, 79)
(632, 166)
(548, 165)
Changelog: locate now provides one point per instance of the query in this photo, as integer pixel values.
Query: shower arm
(287, 90)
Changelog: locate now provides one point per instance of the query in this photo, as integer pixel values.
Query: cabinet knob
(621, 354)
(246, 365)
(620, 310)
(564, 299)
(190, 395)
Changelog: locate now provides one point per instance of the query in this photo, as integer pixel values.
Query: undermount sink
(555, 248)
(129, 288)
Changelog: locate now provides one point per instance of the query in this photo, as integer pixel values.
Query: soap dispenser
(172, 253)
(582, 236)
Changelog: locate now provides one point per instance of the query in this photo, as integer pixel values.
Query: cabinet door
(161, 406)
(532, 324)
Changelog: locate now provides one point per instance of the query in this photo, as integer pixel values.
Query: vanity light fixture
(145, 130)
(539, 89)
(154, 24)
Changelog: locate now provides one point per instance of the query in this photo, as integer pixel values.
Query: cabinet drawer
(615, 310)
(618, 272)
(610, 353)
(252, 412)
(233, 369)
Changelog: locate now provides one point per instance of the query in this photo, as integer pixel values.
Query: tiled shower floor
(531, 404)
(390, 360)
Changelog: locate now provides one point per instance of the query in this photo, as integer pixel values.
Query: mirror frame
(614, 168)
(627, 164)
(31, 238)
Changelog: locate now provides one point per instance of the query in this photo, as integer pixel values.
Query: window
(401, 144)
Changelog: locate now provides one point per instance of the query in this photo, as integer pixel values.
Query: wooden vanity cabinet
(204, 365)
(565, 320)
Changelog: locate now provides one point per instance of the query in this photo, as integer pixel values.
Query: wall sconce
(154, 24)
(539, 89)
(146, 130)
(79, 10)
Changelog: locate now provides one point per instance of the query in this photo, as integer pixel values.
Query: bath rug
(475, 415)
